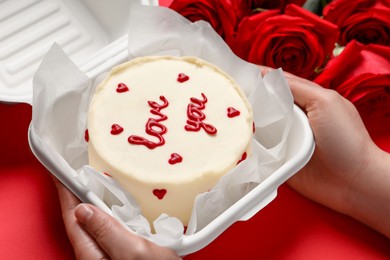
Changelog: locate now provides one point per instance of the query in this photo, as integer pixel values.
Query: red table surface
(290, 227)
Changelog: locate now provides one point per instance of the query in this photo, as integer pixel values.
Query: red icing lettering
(243, 157)
(232, 112)
(253, 127)
(116, 129)
(182, 77)
(86, 135)
(122, 88)
(175, 158)
(159, 193)
(153, 127)
(196, 116)
(106, 174)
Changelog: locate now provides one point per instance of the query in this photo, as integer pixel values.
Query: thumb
(117, 241)
(112, 237)
(305, 92)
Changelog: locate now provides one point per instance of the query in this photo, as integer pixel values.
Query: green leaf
(316, 6)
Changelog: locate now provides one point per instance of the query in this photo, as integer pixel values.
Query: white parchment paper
(61, 94)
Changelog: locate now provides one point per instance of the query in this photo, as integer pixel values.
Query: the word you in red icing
(182, 77)
(153, 126)
(232, 112)
(196, 116)
(116, 129)
(175, 158)
(159, 193)
(86, 135)
(122, 88)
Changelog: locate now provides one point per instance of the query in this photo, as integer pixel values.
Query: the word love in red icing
(153, 126)
(196, 116)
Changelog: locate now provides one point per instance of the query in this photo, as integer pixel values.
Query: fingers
(304, 91)
(116, 240)
(108, 233)
(96, 235)
(102, 228)
(83, 244)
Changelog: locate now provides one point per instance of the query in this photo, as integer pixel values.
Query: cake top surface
(169, 119)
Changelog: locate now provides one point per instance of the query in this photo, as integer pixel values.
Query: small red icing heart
(86, 135)
(243, 157)
(175, 158)
(122, 88)
(116, 129)
(232, 112)
(182, 77)
(159, 193)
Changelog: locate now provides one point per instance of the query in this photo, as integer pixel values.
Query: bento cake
(167, 129)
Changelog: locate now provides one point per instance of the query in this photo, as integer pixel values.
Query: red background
(290, 227)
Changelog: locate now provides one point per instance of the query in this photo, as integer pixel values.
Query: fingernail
(83, 212)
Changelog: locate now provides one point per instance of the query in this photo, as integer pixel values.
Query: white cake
(167, 129)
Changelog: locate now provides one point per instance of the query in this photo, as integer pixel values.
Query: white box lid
(29, 27)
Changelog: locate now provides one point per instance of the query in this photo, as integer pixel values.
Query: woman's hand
(347, 172)
(344, 148)
(96, 235)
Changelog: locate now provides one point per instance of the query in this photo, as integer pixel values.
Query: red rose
(367, 21)
(223, 16)
(361, 73)
(273, 4)
(298, 41)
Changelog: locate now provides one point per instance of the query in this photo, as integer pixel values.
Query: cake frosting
(167, 129)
